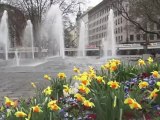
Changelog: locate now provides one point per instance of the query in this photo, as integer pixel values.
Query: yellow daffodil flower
(107, 66)
(153, 94)
(61, 75)
(113, 66)
(113, 84)
(47, 77)
(66, 88)
(87, 103)
(20, 114)
(47, 91)
(76, 70)
(141, 62)
(83, 89)
(84, 80)
(143, 84)
(150, 60)
(36, 109)
(128, 101)
(79, 97)
(155, 74)
(53, 105)
(135, 105)
(100, 79)
(8, 102)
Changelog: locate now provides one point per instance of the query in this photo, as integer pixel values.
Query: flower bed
(118, 91)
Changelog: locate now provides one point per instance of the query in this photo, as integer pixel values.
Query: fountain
(109, 45)
(28, 40)
(81, 45)
(54, 32)
(4, 33)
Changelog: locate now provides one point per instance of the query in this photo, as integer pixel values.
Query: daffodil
(36, 109)
(52, 102)
(20, 114)
(141, 62)
(76, 70)
(87, 103)
(47, 91)
(8, 102)
(79, 97)
(100, 79)
(150, 60)
(118, 62)
(85, 80)
(143, 84)
(135, 105)
(47, 77)
(113, 66)
(128, 101)
(66, 88)
(61, 75)
(153, 94)
(83, 89)
(155, 74)
(107, 66)
(114, 84)
(53, 105)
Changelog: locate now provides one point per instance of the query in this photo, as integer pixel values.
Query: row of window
(100, 13)
(98, 36)
(102, 20)
(103, 27)
(106, 10)
(119, 38)
(118, 30)
(139, 37)
(117, 13)
(118, 21)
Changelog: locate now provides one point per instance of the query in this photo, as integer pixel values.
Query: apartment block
(125, 32)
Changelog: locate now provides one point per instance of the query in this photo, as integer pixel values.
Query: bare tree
(35, 11)
(144, 14)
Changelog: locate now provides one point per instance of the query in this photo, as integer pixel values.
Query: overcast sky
(93, 2)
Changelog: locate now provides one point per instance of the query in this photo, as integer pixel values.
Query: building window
(121, 20)
(158, 36)
(131, 37)
(121, 38)
(138, 37)
(144, 37)
(116, 39)
(116, 22)
(118, 30)
(151, 36)
(158, 26)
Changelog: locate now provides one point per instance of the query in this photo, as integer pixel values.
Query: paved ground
(15, 81)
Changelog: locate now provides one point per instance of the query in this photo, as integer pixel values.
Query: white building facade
(125, 32)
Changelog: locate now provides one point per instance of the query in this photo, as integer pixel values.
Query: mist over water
(4, 34)
(54, 32)
(81, 45)
(109, 44)
(28, 40)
